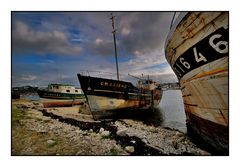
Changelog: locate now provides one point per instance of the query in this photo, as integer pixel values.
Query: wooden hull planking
(197, 50)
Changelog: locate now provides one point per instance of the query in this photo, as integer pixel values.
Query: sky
(52, 47)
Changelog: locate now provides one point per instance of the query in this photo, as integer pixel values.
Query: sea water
(171, 109)
(30, 96)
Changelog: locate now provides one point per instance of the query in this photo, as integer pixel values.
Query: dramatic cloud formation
(26, 40)
(55, 46)
(144, 32)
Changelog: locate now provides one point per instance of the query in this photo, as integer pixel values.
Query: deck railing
(101, 74)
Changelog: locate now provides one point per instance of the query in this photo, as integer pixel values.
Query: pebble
(105, 133)
(122, 132)
(51, 143)
(83, 132)
(79, 153)
(42, 131)
(133, 141)
(145, 141)
(101, 130)
(129, 149)
(175, 144)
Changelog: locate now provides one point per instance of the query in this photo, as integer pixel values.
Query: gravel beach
(72, 131)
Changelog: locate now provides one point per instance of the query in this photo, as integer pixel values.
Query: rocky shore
(72, 131)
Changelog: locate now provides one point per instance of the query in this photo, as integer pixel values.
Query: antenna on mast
(115, 47)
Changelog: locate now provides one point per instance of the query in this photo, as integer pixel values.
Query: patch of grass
(107, 137)
(114, 151)
(47, 121)
(17, 115)
(20, 100)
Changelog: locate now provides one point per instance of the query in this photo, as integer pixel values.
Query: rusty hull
(61, 103)
(197, 50)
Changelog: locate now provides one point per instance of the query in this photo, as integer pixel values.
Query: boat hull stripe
(202, 53)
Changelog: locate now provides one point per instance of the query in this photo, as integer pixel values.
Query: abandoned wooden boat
(197, 50)
(60, 95)
(107, 97)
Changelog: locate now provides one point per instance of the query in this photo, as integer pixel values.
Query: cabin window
(76, 90)
(68, 90)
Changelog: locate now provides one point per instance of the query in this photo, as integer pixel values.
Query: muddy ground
(72, 131)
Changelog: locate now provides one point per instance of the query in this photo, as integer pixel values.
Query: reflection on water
(172, 110)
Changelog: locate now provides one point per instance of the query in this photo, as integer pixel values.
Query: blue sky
(52, 47)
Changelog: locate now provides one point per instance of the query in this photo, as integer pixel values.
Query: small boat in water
(59, 95)
(197, 50)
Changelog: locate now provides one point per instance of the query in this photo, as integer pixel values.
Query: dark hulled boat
(197, 50)
(107, 97)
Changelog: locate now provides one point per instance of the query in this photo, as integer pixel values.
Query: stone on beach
(122, 132)
(51, 143)
(105, 133)
(130, 149)
(101, 130)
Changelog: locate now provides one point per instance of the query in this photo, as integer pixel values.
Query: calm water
(30, 96)
(172, 110)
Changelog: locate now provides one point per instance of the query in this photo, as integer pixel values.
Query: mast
(115, 47)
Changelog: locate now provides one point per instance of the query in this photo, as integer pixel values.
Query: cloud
(135, 31)
(146, 60)
(23, 79)
(152, 63)
(98, 41)
(28, 77)
(101, 47)
(26, 40)
(144, 31)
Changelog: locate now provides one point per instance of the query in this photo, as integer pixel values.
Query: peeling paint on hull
(109, 97)
(60, 103)
(197, 50)
(104, 106)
